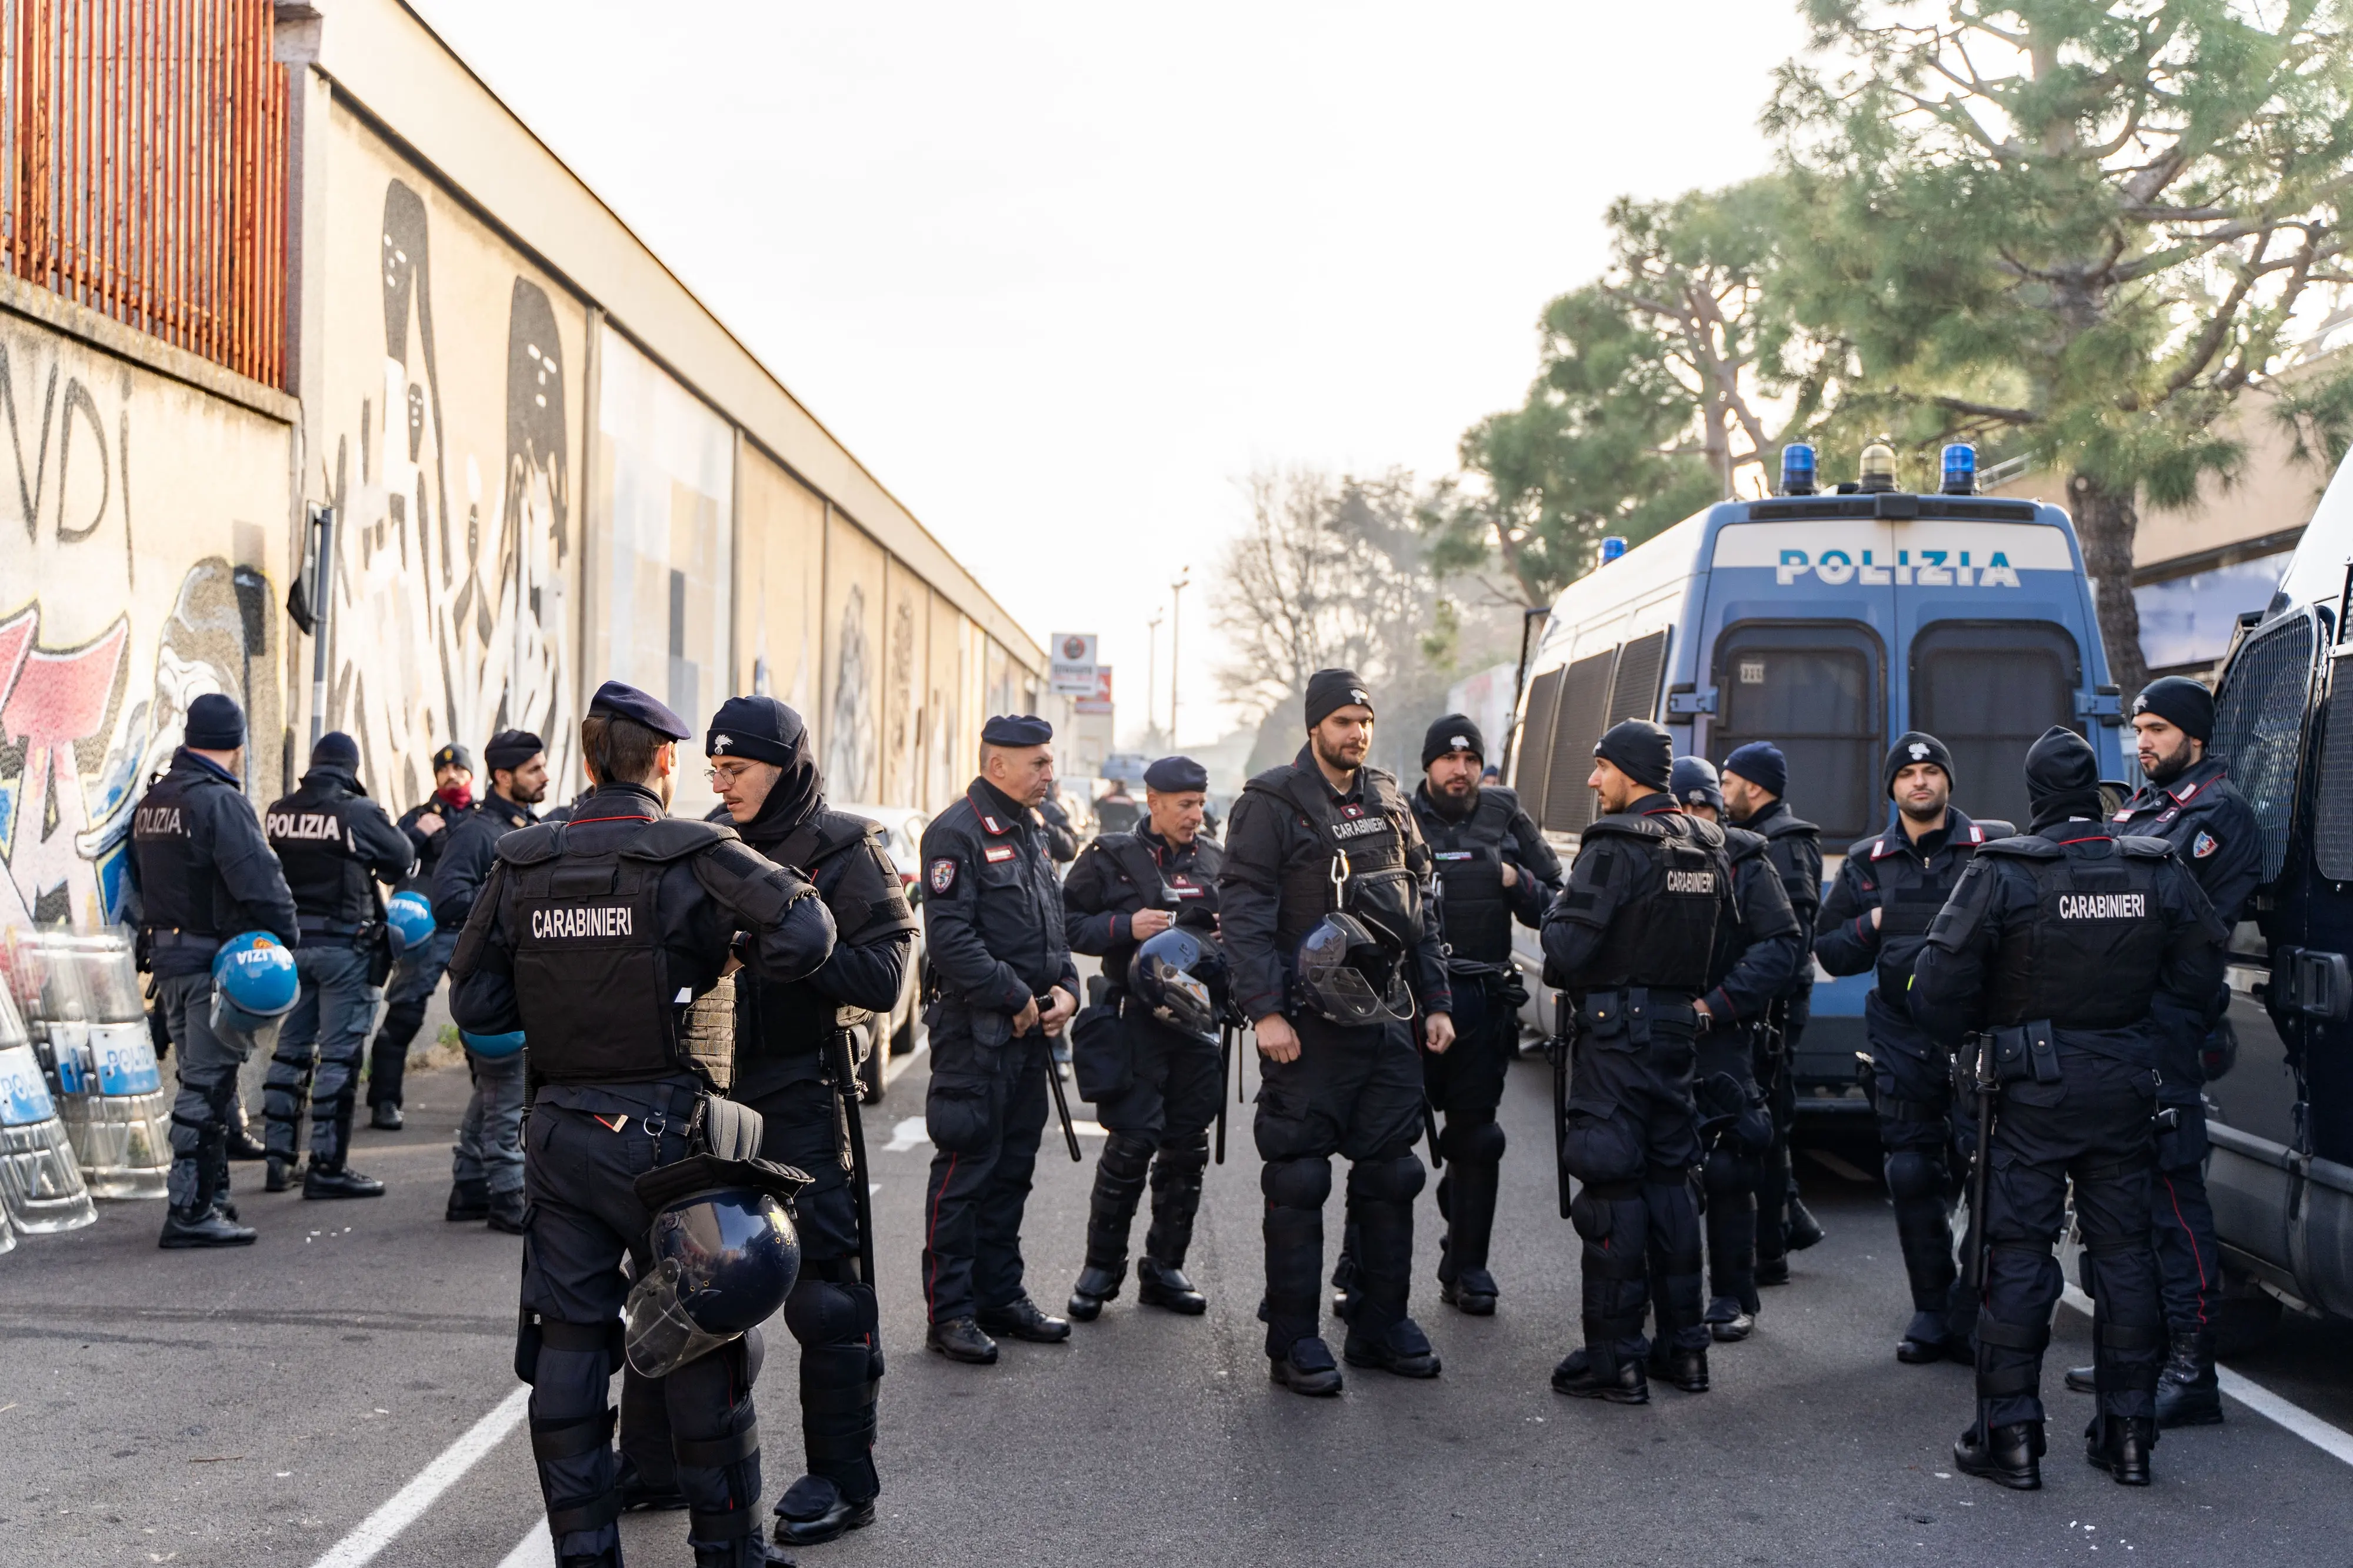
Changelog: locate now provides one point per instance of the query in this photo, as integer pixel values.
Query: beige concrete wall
(780, 577)
(447, 430)
(143, 526)
(851, 738)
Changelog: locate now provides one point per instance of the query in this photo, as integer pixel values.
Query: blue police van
(1827, 624)
(2281, 1121)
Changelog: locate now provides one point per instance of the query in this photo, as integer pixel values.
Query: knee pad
(1387, 1179)
(1473, 1143)
(1189, 1155)
(1914, 1173)
(1126, 1156)
(1296, 1184)
(822, 1312)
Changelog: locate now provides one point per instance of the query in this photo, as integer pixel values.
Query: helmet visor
(658, 1336)
(1185, 1004)
(1345, 975)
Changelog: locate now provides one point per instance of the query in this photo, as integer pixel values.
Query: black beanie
(2062, 777)
(2181, 702)
(510, 749)
(215, 724)
(1913, 746)
(1641, 749)
(336, 750)
(1452, 732)
(1329, 690)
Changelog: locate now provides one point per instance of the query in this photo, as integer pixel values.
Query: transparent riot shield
(88, 1021)
(40, 1181)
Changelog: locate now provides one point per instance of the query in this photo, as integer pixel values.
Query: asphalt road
(257, 1405)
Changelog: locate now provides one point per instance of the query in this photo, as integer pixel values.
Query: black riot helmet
(1346, 974)
(724, 1256)
(1181, 975)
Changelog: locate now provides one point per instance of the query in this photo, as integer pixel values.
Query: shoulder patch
(2202, 846)
(941, 875)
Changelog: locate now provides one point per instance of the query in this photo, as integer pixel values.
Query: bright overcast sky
(1060, 273)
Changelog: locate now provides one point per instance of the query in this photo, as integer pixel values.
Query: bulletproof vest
(309, 831)
(1910, 895)
(1381, 883)
(1782, 840)
(591, 976)
(799, 1019)
(175, 891)
(1476, 914)
(1188, 891)
(1745, 853)
(2089, 957)
(1665, 936)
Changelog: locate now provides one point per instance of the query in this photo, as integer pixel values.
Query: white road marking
(536, 1550)
(1839, 1167)
(376, 1530)
(2334, 1441)
(911, 1131)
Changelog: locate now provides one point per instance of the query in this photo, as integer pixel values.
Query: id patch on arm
(941, 875)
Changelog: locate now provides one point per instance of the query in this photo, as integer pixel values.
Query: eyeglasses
(726, 773)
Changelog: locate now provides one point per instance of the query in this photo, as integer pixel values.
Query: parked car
(902, 833)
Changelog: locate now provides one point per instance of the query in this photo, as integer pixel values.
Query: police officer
(1117, 812)
(201, 872)
(1632, 940)
(335, 844)
(1874, 919)
(2189, 802)
(1756, 954)
(1125, 889)
(584, 937)
(791, 1042)
(1061, 838)
(2088, 958)
(1493, 867)
(420, 971)
(1003, 988)
(486, 1165)
(1331, 956)
(1755, 777)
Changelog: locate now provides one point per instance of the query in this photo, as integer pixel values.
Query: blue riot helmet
(408, 916)
(254, 988)
(494, 1047)
(723, 1256)
(1180, 975)
(1345, 973)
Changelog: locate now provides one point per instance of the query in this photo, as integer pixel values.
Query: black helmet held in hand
(1180, 974)
(725, 1255)
(1349, 976)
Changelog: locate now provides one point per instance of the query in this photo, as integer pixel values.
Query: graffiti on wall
(108, 630)
(452, 612)
(849, 738)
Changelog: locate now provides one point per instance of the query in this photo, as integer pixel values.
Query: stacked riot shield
(41, 1188)
(88, 1026)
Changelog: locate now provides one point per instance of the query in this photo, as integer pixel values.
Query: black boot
(1158, 1284)
(1773, 1270)
(1927, 1340)
(813, 1512)
(1308, 1369)
(1805, 1230)
(1687, 1369)
(1467, 1199)
(506, 1212)
(2120, 1444)
(1728, 1321)
(2188, 1392)
(2083, 1379)
(279, 1174)
(468, 1200)
(384, 1116)
(639, 1494)
(339, 1181)
(200, 1222)
(1021, 1320)
(1097, 1284)
(2009, 1456)
(960, 1339)
(748, 1551)
(1472, 1292)
(243, 1145)
(1402, 1349)
(1585, 1375)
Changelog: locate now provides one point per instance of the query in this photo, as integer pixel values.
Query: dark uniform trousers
(584, 1146)
(207, 1093)
(1355, 1091)
(2187, 1255)
(330, 1023)
(831, 1312)
(2091, 1128)
(986, 1112)
(1465, 1084)
(1159, 1123)
(1776, 1180)
(406, 994)
(1925, 1139)
(1633, 1145)
(1736, 1131)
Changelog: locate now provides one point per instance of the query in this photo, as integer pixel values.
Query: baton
(1225, 1067)
(851, 1092)
(1061, 1100)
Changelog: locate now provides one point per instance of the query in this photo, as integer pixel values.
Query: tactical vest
(799, 1019)
(1475, 913)
(1741, 848)
(1910, 896)
(176, 889)
(312, 838)
(1379, 861)
(1782, 840)
(1665, 938)
(1189, 894)
(2089, 957)
(591, 976)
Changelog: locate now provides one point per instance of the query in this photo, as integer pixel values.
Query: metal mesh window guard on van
(2259, 725)
(1584, 702)
(2332, 829)
(1533, 760)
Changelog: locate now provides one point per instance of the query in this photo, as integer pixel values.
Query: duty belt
(172, 936)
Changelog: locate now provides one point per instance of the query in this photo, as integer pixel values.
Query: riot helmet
(1346, 974)
(723, 1258)
(408, 917)
(1180, 974)
(254, 988)
(493, 1047)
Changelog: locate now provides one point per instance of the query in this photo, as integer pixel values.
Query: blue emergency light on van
(1960, 469)
(1827, 624)
(1613, 545)
(409, 918)
(1797, 470)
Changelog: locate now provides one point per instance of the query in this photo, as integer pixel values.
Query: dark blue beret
(1176, 776)
(617, 699)
(1017, 729)
(510, 749)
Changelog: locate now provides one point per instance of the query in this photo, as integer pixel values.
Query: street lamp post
(1176, 640)
(1152, 682)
